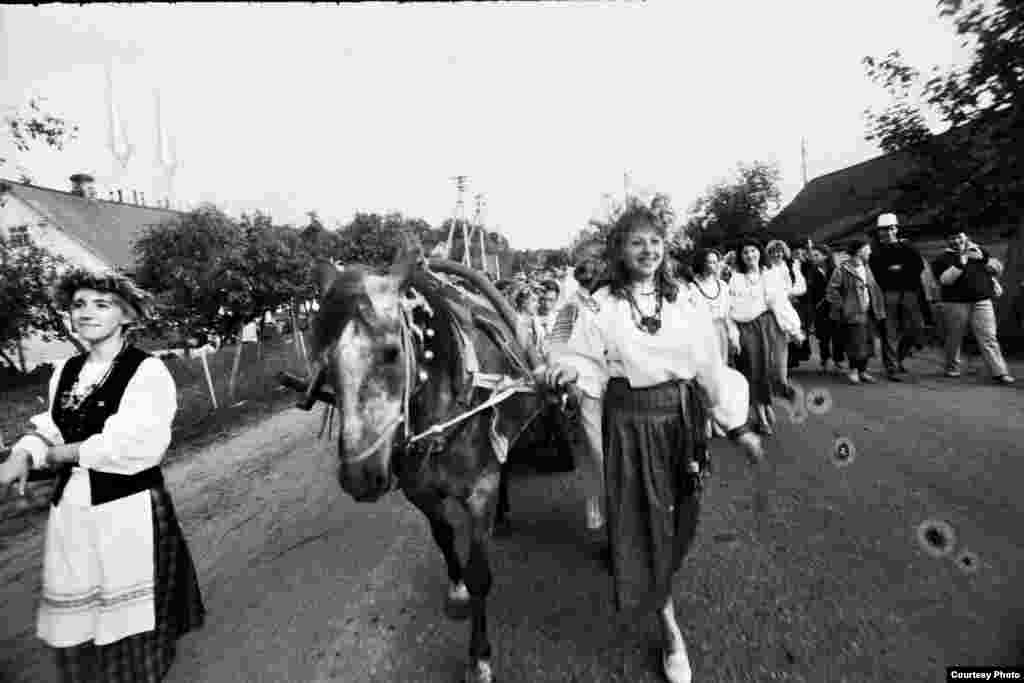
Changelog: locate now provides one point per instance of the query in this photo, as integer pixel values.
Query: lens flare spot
(967, 561)
(843, 452)
(936, 538)
(819, 401)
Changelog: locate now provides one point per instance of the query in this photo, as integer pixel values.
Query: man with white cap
(897, 268)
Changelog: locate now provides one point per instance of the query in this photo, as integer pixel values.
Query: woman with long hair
(712, 293)
(119, 586)
(784, 274)
(653, 356)
(764, 315)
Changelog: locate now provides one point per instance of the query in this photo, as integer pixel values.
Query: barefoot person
(654, 357)
(119, 587)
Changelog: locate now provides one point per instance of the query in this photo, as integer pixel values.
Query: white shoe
(677, 666)
(595, 520)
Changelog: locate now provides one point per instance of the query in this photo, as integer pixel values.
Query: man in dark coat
(897, 268)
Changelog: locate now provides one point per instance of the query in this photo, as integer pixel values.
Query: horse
(433, 384)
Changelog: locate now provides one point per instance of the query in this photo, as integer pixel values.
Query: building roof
(107, 228)
(848, 201)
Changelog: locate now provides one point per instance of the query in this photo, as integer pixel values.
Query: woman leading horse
(655, 358)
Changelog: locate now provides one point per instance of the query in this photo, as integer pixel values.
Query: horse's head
(358, 335)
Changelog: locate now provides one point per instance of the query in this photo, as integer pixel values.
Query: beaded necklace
(650, 324)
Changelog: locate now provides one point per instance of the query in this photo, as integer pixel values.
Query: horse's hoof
(457, 605)
(480, 672)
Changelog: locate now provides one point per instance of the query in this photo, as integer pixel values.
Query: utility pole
(459, 218)
(478, 226)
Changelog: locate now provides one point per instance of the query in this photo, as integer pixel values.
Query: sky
(375, 107)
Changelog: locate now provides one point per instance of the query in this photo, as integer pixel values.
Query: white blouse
(606, 342)
(133, 439)
(713, 296)
(782, 279)
(749, 298)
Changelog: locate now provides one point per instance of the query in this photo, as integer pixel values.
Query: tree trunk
(21, 356)
(232, 382)
(65, 332)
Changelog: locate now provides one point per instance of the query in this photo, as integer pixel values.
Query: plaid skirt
(146, 657)
(651, 435)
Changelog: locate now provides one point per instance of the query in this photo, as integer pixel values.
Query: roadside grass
(196, 424)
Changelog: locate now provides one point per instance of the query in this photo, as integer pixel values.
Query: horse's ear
(408, 258)
(324, 274)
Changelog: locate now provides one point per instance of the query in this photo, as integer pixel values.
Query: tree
(973, 172)
(741, 206)
(374, 240)
(196, 269)
(31, 125)
(27, 275)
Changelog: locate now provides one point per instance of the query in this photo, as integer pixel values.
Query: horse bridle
(502, 388)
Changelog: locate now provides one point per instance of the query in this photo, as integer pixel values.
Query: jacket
(907, 278)
(843, 298)
(975, 282)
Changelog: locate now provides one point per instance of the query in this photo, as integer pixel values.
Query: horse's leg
(481, 507)
(431, 504)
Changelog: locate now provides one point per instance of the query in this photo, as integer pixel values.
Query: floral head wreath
(110, 281)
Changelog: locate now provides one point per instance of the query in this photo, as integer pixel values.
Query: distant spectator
(828, 333)
(526, 306)
(897, 268)
(858, 306)
(546, 308)
(966, 273)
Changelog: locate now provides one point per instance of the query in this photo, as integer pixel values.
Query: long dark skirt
(651, 435)
(757, 359)
(146, 657)
(859, 339)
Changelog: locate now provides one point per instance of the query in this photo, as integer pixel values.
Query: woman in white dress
(763, 314)
(652, 355)
(119, 585)
(786, 276)
(712, 293)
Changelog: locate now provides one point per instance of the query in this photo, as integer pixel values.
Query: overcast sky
(289, 108)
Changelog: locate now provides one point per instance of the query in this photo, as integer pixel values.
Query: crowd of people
(664, 359)
(661, 358)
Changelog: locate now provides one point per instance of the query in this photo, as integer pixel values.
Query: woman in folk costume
(712, 293)
(119, 585)
(764, 315)
(788, 277)
(857, 306)
(653, 356)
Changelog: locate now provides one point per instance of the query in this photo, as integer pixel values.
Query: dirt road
(827, 583)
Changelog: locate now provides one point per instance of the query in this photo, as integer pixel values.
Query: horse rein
(503, 387)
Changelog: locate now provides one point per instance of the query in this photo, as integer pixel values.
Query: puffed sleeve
(782, 308)
(799, 282)
(584, 351)
(43, 423)
(137, 435)
(727, 389)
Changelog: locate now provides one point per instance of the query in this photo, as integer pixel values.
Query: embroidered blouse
(606, 342)
(767, 293)
(133, 439)
(783, 279)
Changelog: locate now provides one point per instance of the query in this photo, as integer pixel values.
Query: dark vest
(87, 420)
